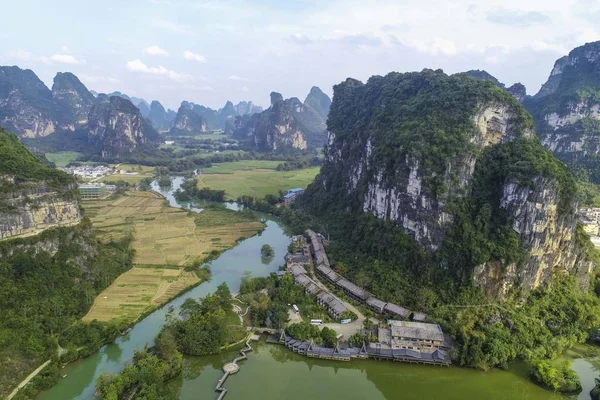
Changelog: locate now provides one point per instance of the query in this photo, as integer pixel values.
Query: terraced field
(165, 239)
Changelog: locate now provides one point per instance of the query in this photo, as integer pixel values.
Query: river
(274, 372)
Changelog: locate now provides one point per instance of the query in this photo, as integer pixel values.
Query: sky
(209, 52)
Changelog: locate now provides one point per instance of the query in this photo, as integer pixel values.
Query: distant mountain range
(97, 122)
(566, 110)
(287, 124)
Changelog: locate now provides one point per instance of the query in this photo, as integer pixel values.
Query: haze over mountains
(565, 112)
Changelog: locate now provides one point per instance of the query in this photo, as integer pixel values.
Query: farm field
(62, 158)
(166, 240)
(255, 178)
(141, 171)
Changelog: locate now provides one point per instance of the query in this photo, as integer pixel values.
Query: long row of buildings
(324, 271)
(378, 351)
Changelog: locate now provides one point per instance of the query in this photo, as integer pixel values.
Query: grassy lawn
(165, 239)
(259, 181)
(62, 158)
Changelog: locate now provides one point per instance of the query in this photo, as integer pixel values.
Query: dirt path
(26, 380)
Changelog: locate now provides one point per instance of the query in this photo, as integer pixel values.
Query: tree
(329, 337)
(224, 295)
(267, 251)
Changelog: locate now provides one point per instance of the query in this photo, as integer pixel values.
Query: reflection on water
(275, 372)
(229, 267)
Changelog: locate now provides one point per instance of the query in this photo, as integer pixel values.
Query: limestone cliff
(287, 124)
(33, 197)
(161, 120)
(117, 128)
(549, 237)
(188, 121)
(26, 104)
(455, 163)
(567, 110)
(72, 99)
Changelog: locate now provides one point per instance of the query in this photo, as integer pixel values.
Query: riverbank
(169, 244)
(229, 267)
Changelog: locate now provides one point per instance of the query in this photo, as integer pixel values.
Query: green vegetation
(558, 379)
(267, 251)
(595, 392)
(22, 163)
(208, 324)
(280, 292)
(306, 331)
(145, 378)
(255, 182)
(43, 294)
(189, 191)
(63, 158)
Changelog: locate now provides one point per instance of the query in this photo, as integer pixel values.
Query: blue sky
(211, 51)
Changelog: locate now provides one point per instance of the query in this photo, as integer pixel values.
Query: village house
(290, 195)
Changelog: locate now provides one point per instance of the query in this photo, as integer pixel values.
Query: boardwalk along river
(274, 372)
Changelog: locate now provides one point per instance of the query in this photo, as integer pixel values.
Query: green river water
(274, 372)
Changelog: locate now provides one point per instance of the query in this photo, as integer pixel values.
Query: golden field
(165, 239)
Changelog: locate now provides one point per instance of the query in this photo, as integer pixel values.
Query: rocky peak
(519, 91)
(276, 98)
(319, 102)
(158, 116)
(117, 127)
(188, 120)
(567, 111)
(581, 60)
(26, 104)
(73, 100)
(247, 108)
(477, 160)
(228, 111)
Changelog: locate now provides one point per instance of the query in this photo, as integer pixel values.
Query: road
(26, 380)
(346, 330)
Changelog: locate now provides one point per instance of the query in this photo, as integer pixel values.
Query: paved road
(346, 330)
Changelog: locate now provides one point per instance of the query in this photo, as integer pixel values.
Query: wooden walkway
(231, 368)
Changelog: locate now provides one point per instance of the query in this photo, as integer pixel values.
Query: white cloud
(189, 55)
(237, 78)
(155, 51)
(139, 66)
(65, 49)
(63, 59)
(245, 89)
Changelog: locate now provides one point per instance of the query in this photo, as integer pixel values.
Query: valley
(167, 241)
(377, 231)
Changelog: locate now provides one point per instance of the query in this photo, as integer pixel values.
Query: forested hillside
(49, 273)
(437, 194)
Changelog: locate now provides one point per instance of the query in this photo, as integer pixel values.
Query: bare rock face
(188, 121)
(567, 112)
(287, 124)
(36, 209)
(548, 236)
(117, 127)
(26, 104)
(34, 197)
